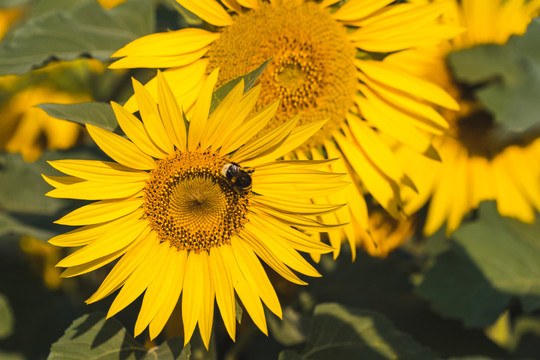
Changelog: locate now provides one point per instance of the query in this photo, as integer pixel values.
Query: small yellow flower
(27, 129)
(326, 64)
(477, 164)
(193, 207)
(109, 4)
(8, 16)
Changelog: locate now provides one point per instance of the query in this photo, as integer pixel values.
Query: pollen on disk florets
(312, 70)
(190, 204)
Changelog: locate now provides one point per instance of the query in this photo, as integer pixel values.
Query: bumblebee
(240, 178)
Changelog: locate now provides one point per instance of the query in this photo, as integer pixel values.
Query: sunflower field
(269, 179)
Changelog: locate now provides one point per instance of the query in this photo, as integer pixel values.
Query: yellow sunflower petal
(524, 170)
(423, 115)
(228, 129)
(125, 234)
(402, 81)
(136, 132)
(357, 9)
(299, 240)
(510, 201)
(270, 259)
(327, 3)
(381, 187)
(200, 111)
(249, 129)
(61, 181)
(171, 296)
(251, 301)
(140, 278)
(193, 292)
(85, 235)
(154, 296)
(170, 113)
(480, 179)
(461, 203)
(297, 137)
(255, 275)
(120, 149)
(265, 144)
(283, 252)
(206, 316)
(222, 117)
(222, 281)
(184, 40)
(94, 264)
(250, 4)
(101, 171)
(443, 195)
(295, 207)
(208, 10)
(151, 118)
(378, 152)
(187, 80)
(92, 190)
(101, 211)
(153, 62)
(391, 121)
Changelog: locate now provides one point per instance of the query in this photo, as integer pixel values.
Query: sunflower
(190, 207)
(27, 129)
(477, 163)
(109, 4)
(8, 16)
(327, 63)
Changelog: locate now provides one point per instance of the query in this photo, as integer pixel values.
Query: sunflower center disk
(190, 204)
(312, 69)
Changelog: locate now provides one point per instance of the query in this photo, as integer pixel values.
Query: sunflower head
(482, 158)
(191, 204)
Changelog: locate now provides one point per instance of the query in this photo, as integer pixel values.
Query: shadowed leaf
(94, 113)
(80, 28)
(491, 261)
(338, 332)
(92, 337)
(506, 78)
(249, 81)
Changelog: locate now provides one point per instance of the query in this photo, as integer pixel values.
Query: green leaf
(290, 330)
(11, 225)
(94, 113)
(491, 261)
(24, 208)
(249, 81)
(505, 78)
(11, 356)
(80, 28)
(6, 318)
(22, 189)
(338, 333)
(11, 3)
(92, 337)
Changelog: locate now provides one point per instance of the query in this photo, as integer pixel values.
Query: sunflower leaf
(338, 332)
(6, 318)
(78, 29)
(10, 3)
(22, 188)
(93, 337)
(249, 81)
(491, 261)
(95, 113)
(505, 78)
